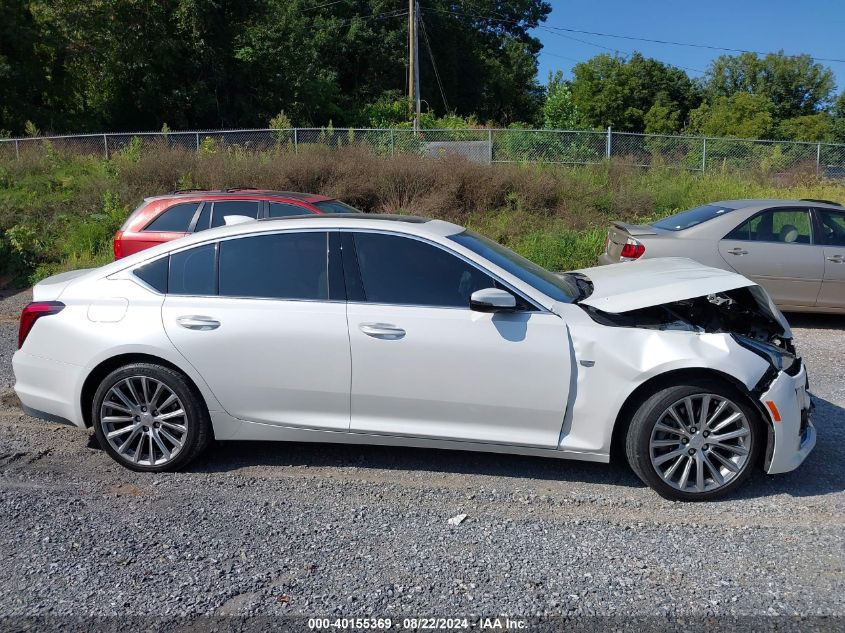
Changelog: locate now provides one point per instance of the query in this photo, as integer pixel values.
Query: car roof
(773, 202)
(239, 192)
(408, 224)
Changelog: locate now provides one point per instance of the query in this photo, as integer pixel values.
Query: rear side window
(280, 266)
(221, 210)
(788, 226)
(691, 217)
(405, 271)
(282, 210)
(154, 274)
(335, 206)
(175, 219)
(194, 271)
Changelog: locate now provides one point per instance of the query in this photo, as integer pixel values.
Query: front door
(832, 240)
(775, 249)
(263, 331)
(425, 365)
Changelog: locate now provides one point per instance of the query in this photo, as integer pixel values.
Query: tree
(132, 64)
(559, 111)
(611, 91)
(742, 115)
(810, 127)
(795, 84)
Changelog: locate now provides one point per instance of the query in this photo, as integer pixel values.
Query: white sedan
(402, 331)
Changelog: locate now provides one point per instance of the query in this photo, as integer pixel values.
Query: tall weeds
(59, 211)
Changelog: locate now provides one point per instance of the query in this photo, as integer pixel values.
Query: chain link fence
(568, 147)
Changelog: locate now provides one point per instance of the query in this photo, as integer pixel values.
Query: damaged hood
(651, 282)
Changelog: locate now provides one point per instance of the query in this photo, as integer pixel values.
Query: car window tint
(175, 219)
(204, 219)
(280, 266)
(194, 271)
(401, 270)
(335, 206)
(832, 227)
(154, 273)
(282, 209)
(788, 226)
(221, 210)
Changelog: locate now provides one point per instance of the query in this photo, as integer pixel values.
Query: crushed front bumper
(789, 406)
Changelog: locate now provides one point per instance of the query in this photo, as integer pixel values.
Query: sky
(816, 27)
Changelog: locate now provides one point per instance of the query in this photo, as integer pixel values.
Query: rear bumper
(47, 388)
(794, 435)
(605, 259)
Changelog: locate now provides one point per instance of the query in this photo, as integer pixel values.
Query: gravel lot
(278, 529)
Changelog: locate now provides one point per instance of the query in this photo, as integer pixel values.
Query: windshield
(565, 288)
(691, 217)
(335, 206)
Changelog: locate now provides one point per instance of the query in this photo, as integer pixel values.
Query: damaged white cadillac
(401, 331)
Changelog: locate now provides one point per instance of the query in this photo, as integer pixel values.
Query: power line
(321, 6)
(626, 37)
(434, 64)
(375, 16)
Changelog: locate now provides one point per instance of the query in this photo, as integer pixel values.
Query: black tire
(196, 436)
(651, 410)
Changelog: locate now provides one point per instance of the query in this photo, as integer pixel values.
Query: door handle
(197, 322)
(382, 330)
(738, 251)
(836, 259)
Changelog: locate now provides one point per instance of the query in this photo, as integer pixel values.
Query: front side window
(278, 266)
(221, 210)
(194, 271)
(832, 227)
(405, 271)
(787, 226)
(175, 219)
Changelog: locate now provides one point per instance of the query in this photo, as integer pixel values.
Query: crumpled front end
(734, 322)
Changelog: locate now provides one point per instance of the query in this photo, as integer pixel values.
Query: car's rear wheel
(696, 441)
(149, 418)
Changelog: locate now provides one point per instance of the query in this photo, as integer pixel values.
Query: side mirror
(492, 300)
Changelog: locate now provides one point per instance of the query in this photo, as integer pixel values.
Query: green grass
(59, 212)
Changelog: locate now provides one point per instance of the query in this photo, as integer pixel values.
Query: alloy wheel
(700, 443)
(144, 421)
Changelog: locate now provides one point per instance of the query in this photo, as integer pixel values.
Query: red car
(163, 218)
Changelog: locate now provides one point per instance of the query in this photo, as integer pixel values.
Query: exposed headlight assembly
(778, 357)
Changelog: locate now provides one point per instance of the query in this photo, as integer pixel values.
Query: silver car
(795, 249)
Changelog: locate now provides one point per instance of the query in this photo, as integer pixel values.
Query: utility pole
(413, 63)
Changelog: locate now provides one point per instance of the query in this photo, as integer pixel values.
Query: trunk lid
(51, 288)
(651, 282)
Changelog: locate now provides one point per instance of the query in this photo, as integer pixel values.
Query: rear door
(425, 365)
(775, 249)
(831, 238)
(264, 323)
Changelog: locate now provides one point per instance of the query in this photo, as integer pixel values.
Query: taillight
(32, 313)
(632, 249)
(118, 245)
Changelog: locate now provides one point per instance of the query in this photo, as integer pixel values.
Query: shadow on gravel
(823, 472)
(226, 456)
(816, 321)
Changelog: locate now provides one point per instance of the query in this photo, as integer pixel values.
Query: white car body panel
(417, 385)
(649, 282)
(550, 382)
(274, 362)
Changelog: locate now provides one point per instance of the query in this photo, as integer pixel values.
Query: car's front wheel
(694, 442)
(149, 418)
